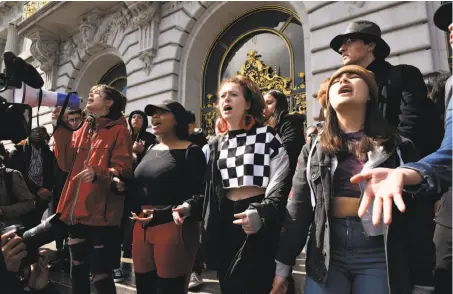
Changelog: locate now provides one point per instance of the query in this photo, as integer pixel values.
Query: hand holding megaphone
(56, 114)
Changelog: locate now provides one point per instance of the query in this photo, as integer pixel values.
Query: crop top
(166, 177)
(245, 157)
(348, 165)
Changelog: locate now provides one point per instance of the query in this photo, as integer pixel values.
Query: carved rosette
(45, 50)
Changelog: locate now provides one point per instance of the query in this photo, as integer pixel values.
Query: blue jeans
(357, 262)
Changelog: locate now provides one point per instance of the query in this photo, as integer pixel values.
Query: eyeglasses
(348, 42)
(71, 120)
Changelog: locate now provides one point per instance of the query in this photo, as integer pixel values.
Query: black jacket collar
(380, 68)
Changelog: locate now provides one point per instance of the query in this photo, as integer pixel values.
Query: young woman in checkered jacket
(247, 189)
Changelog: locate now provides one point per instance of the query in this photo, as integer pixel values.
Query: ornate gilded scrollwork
(209, 115)
(266, 78)
(31, 7)
(263, 75)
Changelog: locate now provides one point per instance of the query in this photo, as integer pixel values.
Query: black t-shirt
(169, 177)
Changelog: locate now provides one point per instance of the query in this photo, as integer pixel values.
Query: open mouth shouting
(345, 90)
(227, 108)
(155, 124)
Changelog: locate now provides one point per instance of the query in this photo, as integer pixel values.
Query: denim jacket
(301, 215)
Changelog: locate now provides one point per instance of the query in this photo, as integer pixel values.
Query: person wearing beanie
(432, 174)
(403, 102)
(402, 89)
(345, 254)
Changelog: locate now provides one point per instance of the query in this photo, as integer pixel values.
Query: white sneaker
(195, 280)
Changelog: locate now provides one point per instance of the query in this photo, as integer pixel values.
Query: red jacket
(108, 147)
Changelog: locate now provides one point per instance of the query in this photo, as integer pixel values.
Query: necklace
(163, 153)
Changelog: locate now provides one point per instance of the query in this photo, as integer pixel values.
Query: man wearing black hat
(403, 93)
(403, 102)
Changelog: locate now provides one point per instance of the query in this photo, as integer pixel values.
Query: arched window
(116, 77)
(265, 44)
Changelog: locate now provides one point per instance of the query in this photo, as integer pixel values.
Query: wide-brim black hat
(443, 16)
(363, 30)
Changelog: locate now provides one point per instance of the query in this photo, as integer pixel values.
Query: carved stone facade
(163, 45)
(45, 50)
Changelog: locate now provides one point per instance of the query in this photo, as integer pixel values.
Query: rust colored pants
(168, 248)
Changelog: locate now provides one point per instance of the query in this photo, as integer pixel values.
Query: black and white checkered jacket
(270, 171)
(245, 158)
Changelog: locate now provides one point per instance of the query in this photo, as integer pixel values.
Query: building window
(116, 77)
(261, 44)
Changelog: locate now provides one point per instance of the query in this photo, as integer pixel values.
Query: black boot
(146, 283)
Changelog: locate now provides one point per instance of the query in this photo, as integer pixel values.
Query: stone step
(210, 285)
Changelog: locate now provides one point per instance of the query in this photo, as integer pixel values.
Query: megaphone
(31, 96)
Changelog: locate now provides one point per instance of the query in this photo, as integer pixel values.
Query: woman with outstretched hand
(90, 203)
(345, 254)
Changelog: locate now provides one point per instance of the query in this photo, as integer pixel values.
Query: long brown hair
(281, 104)
(252, 95)
(377, 132)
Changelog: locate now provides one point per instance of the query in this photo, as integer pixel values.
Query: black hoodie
(143, 135)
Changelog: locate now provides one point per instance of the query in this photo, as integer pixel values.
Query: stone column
(12, 45)
(2, 49)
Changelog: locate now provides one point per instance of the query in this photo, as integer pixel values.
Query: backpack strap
(308, 171)
(188, 150)
(9, 182)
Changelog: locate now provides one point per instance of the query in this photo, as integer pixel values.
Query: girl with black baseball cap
(170, 173)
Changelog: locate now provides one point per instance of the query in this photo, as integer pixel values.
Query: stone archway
(93, 69)
(208, 26)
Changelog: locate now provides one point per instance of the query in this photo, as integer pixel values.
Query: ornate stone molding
(45, 49)
(147, 57)
(143, 12)
(67, 50)
(146, 17)
(96, 27)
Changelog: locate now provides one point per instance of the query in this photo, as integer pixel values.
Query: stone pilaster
(12, 45)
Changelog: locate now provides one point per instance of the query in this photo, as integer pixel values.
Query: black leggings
(253, 271)
(151, 283)
(93, 254)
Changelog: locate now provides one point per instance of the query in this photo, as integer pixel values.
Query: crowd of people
(366, 190)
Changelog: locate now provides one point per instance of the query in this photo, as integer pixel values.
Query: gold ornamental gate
(265, 53)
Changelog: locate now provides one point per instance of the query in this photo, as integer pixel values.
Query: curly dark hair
(252, 95)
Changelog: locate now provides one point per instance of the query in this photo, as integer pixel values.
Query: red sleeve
(64, 150)
(121, 159)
